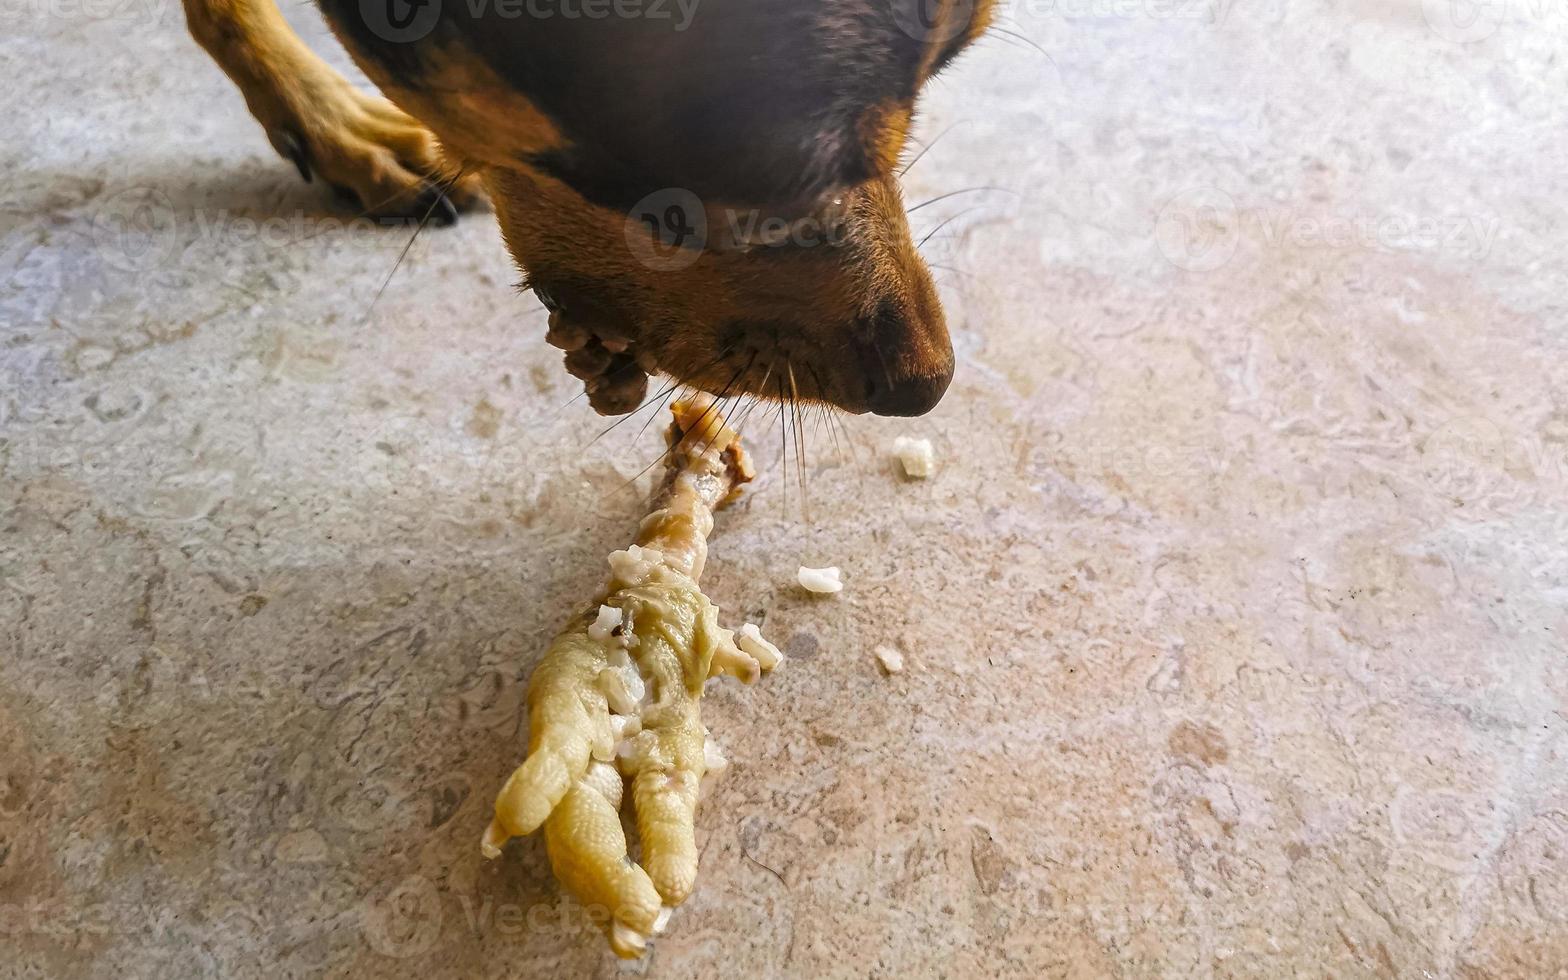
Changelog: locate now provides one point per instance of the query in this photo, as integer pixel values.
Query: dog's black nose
(908, 396)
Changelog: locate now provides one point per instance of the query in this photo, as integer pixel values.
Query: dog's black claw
(293, 148)
(436, 208)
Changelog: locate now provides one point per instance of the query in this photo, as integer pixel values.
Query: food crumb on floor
(823, 581)
(915, 457)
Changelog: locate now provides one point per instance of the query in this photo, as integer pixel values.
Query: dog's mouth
(859, 367)
(615, 364)
(767, 360)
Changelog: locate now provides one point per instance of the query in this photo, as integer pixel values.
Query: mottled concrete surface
(1234, 616)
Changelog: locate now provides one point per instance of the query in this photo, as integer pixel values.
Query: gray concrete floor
(1234, 616)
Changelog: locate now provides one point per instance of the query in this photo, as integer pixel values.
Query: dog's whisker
(616, 424)
(718, 400)
(732, 416)
(751, 409)
(827, 424)
(726, 414)
(942, 224)
(755, 398)
(826, 412)
(927, 147)
(648, 401)
(701, 421)
(370, 210)
(999, 30)
(435, 200)
(953, 270)
(967, 190)
(838, 423)
(669, 393)
(800, 440)
(568, 404)
(783, 448)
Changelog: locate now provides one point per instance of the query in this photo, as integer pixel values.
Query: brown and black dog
(702, 188)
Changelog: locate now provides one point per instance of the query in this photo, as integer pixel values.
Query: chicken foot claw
(614, 702)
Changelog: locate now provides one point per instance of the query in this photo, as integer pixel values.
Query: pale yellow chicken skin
(616, 697)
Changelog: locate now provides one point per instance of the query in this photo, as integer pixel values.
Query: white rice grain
(892, 660)
(600, 629)
(662, 920)
(824, 581)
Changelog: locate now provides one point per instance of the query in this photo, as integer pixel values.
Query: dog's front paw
(364, 147)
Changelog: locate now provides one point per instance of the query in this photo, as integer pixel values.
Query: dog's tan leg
(357, 142)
